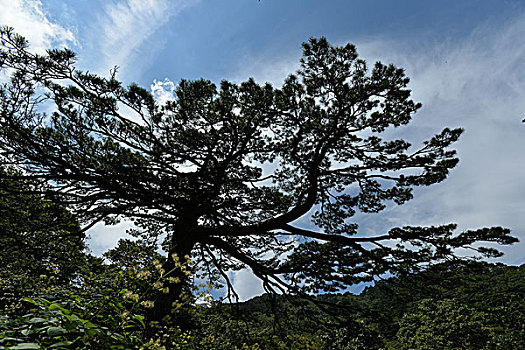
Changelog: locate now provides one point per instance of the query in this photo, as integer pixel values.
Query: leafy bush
(104, 308)
(70, 324)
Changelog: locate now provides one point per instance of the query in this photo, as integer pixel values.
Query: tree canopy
(222, 173)
(40, 241)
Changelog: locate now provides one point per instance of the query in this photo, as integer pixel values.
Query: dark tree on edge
(223, 173)
(37, 238)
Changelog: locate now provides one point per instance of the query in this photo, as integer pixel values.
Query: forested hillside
(453, 305)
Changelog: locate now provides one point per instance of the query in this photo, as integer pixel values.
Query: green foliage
(106, 310)
(69, 324)
(133, 255)
(475, 306)
(41, 244)
(361, 337)
(449, 324)
(269, 322)
(472, 295)
(451, 305)
(440, 325)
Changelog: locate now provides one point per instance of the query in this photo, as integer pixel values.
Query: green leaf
(140, 318)
(92, 332)
(29, 300)
(89, 325)
(26, 346)
(37, 320)
(56, 306)
(55, 331)
(9, 339)
(62, 343)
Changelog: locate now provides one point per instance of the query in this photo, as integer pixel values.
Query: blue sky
(466, 60)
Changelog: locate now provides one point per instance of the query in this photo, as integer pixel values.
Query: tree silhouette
(224, 173)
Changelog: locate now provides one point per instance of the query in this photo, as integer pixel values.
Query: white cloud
(103, 237)
(246, 284)
(30, 20)
(163, 91)
(127, 25)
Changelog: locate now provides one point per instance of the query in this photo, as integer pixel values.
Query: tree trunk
(167, 308)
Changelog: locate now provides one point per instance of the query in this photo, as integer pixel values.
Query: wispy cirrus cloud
(30, 20)
(126, 26)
